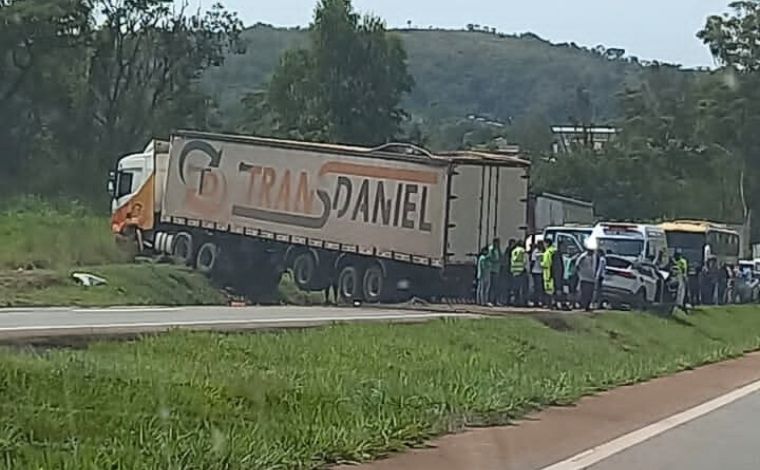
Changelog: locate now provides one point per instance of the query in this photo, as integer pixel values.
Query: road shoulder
(557, 433)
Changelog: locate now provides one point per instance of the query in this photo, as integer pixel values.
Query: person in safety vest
(547, 260)
(681, 268)
(518, 266)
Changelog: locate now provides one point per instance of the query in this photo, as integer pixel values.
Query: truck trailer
(378, 224)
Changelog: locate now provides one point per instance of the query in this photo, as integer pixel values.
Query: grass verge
(35, 235)
(302, 399)
(41, 243)
(128, 284)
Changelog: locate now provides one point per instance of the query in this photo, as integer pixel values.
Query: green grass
(302, 399)
(128, 284)
(291, 295)
(37, 235)
(41, 243)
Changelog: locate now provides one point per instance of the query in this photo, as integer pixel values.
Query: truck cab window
(124, 183)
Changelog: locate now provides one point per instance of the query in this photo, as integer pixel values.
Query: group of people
(538, 277)
(713, 284)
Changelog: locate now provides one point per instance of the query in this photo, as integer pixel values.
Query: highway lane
(34, 322)
(725, 438)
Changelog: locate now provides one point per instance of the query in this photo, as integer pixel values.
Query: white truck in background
(379, 224)
(553, 210)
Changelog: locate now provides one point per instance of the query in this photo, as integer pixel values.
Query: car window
(567, 245)
(616, 262)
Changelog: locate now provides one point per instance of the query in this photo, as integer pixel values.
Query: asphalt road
(726, 438)
(19, 323)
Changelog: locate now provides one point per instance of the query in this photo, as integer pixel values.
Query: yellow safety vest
(518, 260)
(546, 265)
(683, 267)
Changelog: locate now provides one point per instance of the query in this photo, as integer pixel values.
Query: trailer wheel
(182, 248)
(304, 270)
(349, 284)
(373, 285)
(206, 259)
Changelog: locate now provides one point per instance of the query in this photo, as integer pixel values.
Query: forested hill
(462, 72)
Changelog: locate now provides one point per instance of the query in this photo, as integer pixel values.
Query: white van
(636, 242)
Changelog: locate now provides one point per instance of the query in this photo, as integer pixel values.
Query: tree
(733, 41)
(347, 86)
(40, 45)
(662, 166)
(84, 81)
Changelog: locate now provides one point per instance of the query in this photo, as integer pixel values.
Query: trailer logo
(362, 193)
(355, 192)
(200, 146)
(212, 185)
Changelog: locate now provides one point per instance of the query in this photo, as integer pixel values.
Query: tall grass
(128, 284)
(43, 235)
(303, 399)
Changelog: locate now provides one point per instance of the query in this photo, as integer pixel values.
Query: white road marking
(126, 310)
(252, 321)
(597, 454)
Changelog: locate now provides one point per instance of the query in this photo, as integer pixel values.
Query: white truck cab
(135, 187)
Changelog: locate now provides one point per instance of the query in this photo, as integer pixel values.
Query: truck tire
(349, 284)
(182, 248)
(373, 284)
(304, 270)
(207, 257)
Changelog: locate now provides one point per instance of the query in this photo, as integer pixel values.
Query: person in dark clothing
(558, 274)
(536, 273)
(505, 277)
(723, 276)
(495, 262)
(694, 290)
(585, 268)
(709, 281)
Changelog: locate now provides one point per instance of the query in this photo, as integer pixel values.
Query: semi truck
(376, 224)
(553, 210)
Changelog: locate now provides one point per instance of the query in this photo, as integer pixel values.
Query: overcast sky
(650, 29)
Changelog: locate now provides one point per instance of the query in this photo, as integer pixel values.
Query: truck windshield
(691, 245)
(622, 246)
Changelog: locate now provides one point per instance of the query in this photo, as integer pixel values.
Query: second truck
(379, 224)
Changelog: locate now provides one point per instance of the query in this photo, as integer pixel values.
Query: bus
(692, 236)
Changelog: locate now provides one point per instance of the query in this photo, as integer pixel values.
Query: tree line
(84, 81)
(689, 145)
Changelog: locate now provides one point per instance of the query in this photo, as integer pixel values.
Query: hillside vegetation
(458, 73)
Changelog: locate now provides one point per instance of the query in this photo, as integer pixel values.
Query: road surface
(698, 419)
(21, 323)
(725, 438)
